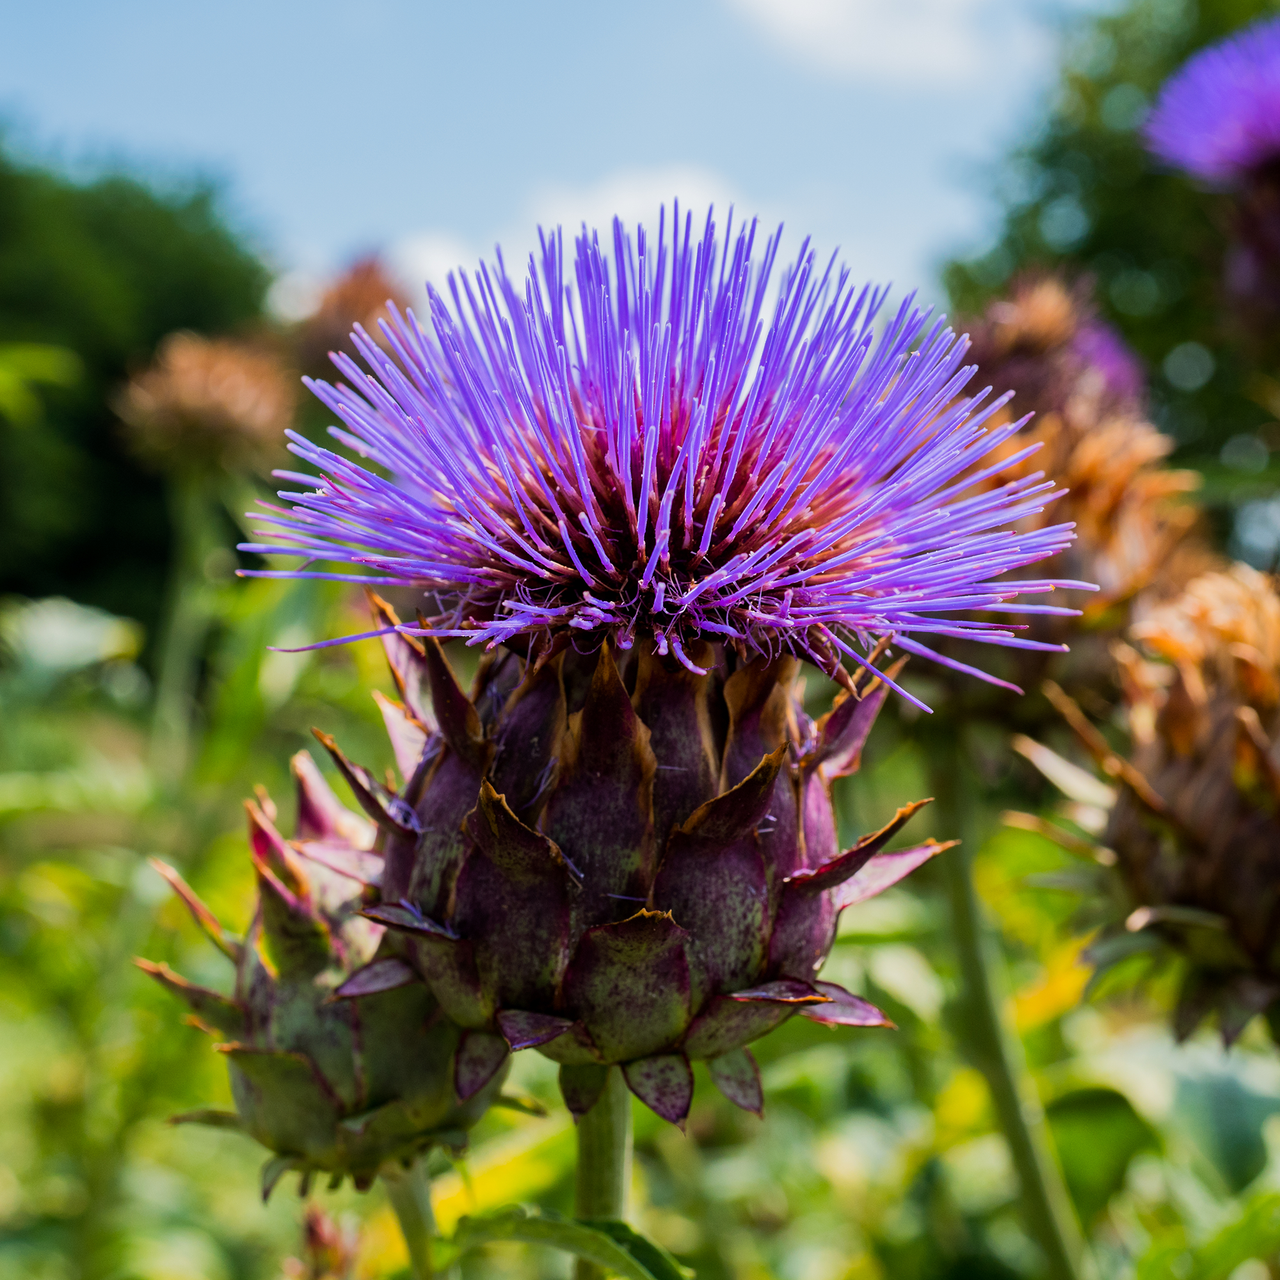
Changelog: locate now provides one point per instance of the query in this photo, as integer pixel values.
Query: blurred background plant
(139, 703)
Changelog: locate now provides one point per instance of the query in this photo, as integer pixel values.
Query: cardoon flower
(208, 400)
(1088, 391)
(329, 1075)
(648, 495)
(1218, 119)
(1218, 116)
(1193, 830)
(654, 458)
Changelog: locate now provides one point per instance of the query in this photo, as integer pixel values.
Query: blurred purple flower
(1218, 117)
(648, 455)
(1100, 347)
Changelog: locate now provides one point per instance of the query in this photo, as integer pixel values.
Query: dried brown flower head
(1087, 390)
(1194, 830)
(208, 400)
(357, 297)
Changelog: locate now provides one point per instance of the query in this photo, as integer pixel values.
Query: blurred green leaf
(1097, 1134)
(609, 1244)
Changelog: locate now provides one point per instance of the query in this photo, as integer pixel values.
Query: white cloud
(429, 255)
(943, 41)
(634, 195)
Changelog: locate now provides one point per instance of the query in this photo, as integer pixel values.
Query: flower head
(208, 399)
(1088, 389)
(339, 1061)
(1218, 117)
(1193, 829)
(357, 297)
(657, 450)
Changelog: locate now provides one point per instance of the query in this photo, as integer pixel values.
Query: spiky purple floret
(1218, 116)
(648, 455)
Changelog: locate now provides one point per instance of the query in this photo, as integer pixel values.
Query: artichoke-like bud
(1193, 829)
(207, 400)
(621, 862)
(1088, 392)
(333, 1073)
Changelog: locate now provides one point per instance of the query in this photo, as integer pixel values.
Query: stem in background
(188, 614)
(991, 1045)
(604, 1161)
(410, 1193)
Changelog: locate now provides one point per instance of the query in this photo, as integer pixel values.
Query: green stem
(604, 1161)
(409, 1191)
(993, 1046)
(186, 625)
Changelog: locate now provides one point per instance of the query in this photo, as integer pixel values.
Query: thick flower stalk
(1218, 119)
(648, 493)
(331, 1077)
(203, 408)
(1192, 829)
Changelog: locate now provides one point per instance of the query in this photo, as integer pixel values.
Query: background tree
(102, 269)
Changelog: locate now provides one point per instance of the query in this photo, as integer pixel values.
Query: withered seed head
(1194, 830)
(208, 400)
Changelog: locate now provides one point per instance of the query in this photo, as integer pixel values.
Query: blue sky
(428, 130)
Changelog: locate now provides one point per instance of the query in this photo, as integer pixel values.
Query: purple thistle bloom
(1218, 117)
(1099, 346)
(650, 453)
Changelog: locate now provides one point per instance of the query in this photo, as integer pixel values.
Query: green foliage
(1084, 194)
(92, 276)
(610, 1244)
(1097, 1134)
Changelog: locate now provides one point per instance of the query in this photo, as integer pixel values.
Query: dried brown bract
(1087, 391)
(1194, 829)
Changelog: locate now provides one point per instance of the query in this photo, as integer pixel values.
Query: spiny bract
(329, 1076)
(620, 861)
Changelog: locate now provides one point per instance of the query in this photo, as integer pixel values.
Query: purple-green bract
(1218, 116)
(658, 450)
(618, 860)
(332, 1085)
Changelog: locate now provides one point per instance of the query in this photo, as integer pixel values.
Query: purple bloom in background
(1099, 346)
(1218, 117)
(665, 446)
